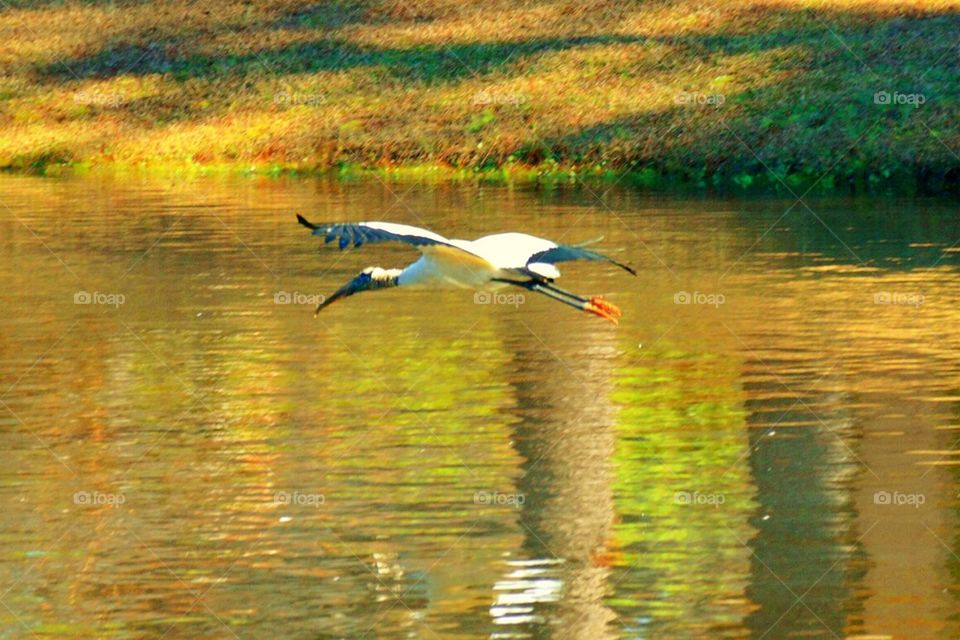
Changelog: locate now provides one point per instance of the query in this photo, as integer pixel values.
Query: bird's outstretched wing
(357, 233)
(565, 252)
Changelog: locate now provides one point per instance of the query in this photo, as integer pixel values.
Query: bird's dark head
(367, 280)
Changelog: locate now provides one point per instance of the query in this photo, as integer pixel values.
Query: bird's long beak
(346, 290)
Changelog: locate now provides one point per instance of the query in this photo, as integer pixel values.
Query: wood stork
(490, 262)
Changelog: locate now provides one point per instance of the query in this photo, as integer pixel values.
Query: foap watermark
(697, 99)
(885, 98)
(897, 499)
(491, 97)
(296, 297)
(496, 498)
(98, 499)
(99, 297)
(696, 498)
(98, 98)
(906, 299)
(699, 297)
(299, 499)
(489, 297)
(288, 98)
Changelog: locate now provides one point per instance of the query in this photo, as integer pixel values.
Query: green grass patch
(787, 95)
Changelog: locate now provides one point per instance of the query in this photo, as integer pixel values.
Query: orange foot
(600, 307)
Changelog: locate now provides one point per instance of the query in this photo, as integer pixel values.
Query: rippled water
(185, 457)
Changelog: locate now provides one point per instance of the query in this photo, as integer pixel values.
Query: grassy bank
(746, 94)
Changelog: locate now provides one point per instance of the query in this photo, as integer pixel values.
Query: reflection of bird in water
(529, 583)
(490, 262)
(555, 585)
(392, 582)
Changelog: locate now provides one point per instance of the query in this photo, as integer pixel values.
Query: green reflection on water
(688, 474)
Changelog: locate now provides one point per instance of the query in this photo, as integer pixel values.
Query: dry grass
(592, 86)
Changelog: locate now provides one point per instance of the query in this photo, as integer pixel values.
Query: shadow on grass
(426, 64)
(818, 120)
(834, 122)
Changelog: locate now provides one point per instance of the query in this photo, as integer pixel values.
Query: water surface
(764, 448)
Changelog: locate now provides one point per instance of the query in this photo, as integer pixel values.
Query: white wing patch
(405, 230)
(544, 269)
(509, 250)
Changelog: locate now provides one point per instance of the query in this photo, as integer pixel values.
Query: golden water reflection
(201, 461)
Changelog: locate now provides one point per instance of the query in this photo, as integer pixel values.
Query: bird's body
(444, 268)
(480, 263)
(490, 262)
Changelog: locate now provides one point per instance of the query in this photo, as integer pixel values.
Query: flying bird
(490, 262)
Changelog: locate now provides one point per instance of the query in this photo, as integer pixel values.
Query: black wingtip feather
(305, 222)
(625, 267)
(561, 253)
